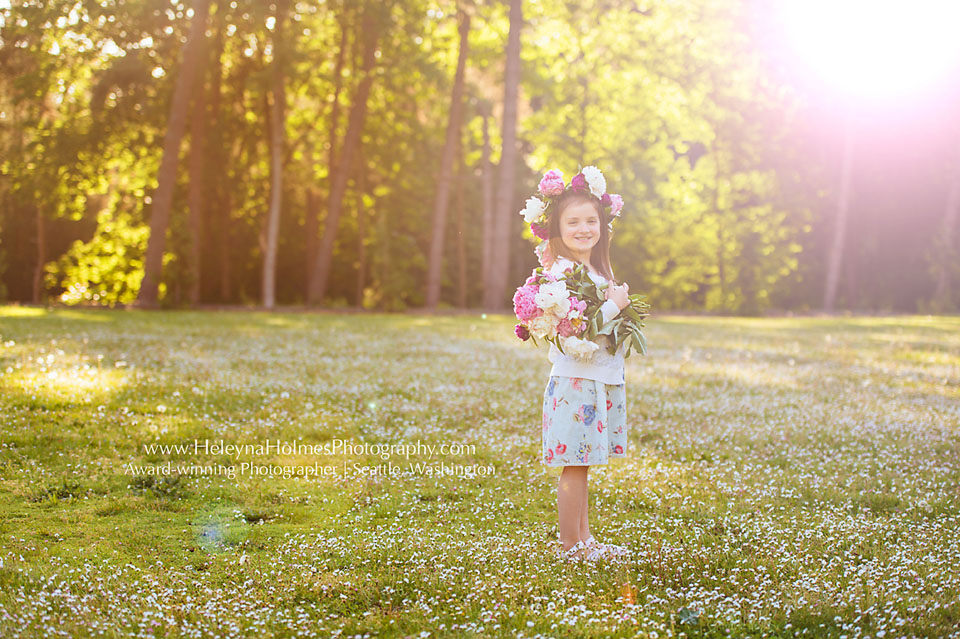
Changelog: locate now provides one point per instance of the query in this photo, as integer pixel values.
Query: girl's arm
(611, 308)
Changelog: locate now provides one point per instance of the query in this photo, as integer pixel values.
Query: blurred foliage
(729, 197)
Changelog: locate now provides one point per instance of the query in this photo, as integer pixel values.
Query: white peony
(543, 326)
(579, 348)
(533, 210)
(553, 298)
(595, 180)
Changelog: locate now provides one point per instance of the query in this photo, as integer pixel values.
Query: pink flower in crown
(552, 183)
(605, 200)
(539, 231)
(579, 183)
(616, 202)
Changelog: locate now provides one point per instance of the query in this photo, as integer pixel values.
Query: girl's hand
(619, 294)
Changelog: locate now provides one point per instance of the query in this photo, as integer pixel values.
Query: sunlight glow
(875, 48)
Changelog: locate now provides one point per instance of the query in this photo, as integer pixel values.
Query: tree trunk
(442, 199)
(358, 111)
(504, 213)
(843, 205)
(461, 249)
(196, 192)
(41, 255)
(218, 161)
(361, 230)
(310, 228)
(721, 264)
(313, 208)
(167, 175)
(487, 187)
(946, 256)
(226, 264)
(277, 125)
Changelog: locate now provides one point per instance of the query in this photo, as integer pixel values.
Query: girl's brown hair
(600, 255)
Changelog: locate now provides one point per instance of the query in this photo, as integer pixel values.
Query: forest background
(376, 155)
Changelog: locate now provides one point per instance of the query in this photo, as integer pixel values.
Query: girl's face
(580, 227)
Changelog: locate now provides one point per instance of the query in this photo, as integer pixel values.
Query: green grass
(794, 477)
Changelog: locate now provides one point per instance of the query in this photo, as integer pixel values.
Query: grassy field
(795, 477)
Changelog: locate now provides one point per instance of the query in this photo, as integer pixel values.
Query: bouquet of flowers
(566, 312)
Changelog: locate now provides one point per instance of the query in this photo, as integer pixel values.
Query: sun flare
(875, 48)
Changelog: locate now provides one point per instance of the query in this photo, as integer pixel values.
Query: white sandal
(574, 555)
(611, 550)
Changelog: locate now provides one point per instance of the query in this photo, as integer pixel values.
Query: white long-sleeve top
(602, 367)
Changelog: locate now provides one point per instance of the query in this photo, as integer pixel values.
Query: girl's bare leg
(585, 503)
(571, 488)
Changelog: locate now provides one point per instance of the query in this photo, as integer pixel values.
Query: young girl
(584, 404)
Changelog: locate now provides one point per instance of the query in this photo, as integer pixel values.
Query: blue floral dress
(584, 422)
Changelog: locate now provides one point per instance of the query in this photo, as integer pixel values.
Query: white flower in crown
(595, 180)
(534, 209)
(581, 349)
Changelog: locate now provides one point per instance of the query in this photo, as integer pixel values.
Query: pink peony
(579, 183)
(617, 203)
(605, 200)
(566, 329)
(539, 231)
(522, 332)
(524, 303)
(552, 183)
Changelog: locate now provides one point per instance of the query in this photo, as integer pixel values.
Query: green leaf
(609, 326)
(643, 342)
(631, 313)
(637, 343)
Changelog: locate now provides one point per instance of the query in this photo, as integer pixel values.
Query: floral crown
(589, 180)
